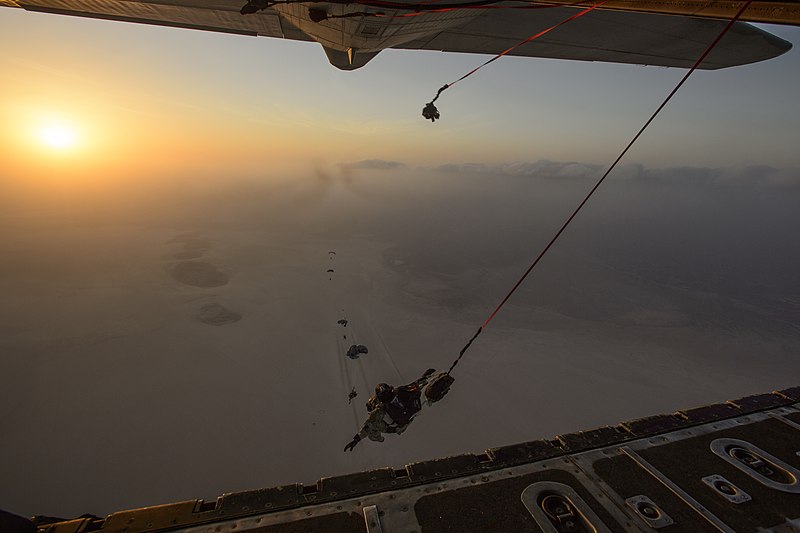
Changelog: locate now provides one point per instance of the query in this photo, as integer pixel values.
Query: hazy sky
(146, 98)
(677, 286)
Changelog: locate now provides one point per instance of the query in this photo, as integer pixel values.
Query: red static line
(501, 54)
(600, 181)
(529, 39)
(614, 164)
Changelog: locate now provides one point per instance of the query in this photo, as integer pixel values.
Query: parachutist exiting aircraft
(728, 467)
(352, 32)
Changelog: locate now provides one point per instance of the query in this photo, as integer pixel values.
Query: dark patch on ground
(217, 315)
(186, 254)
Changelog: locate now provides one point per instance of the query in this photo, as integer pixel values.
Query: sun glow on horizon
(58, 136)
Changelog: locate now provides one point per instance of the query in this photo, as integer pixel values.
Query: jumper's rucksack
(439, 387)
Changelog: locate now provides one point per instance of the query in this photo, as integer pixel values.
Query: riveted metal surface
(773, 472)
(794, 417)
(154, 518)
(726, 489)
(475, 508)
(626, 479)
(307, 521)
(447, 467)
(710, 413)
(431, 495)
(687, 460)
(68, 526)
(653, 425)
(583, 440)
(792, 393)
(647, 510)
(259, 500)
(524, 452)
(580, 517)
(760, 402)
(372, 519)
(359, 483)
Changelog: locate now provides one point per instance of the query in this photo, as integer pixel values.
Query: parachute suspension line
(389, 355)
(431, 113)
(600, 181)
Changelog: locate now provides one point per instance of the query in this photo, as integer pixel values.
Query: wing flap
(609, 36)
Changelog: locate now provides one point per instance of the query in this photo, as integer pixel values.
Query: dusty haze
(176, 337)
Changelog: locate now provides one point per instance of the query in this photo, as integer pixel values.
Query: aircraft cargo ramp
(732, 466)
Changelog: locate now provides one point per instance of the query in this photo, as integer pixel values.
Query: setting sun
(58, 136)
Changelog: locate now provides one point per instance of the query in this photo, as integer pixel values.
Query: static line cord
(508, 50)
(591, 192)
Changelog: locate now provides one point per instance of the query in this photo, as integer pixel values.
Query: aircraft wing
(210, 15)
(609, 36)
